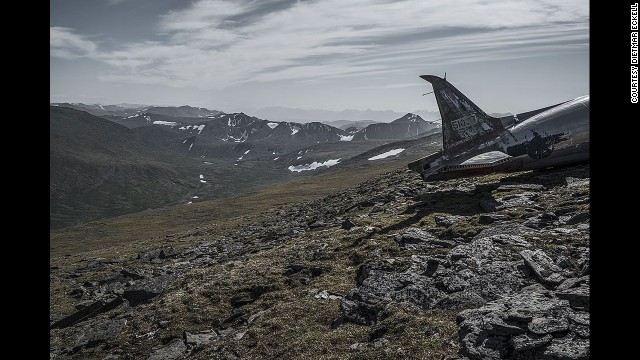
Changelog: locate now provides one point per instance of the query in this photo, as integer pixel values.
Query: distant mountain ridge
(303, 115)
(113, 164)
(401, 128)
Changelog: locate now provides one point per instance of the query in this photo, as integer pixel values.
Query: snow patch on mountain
(314, 165)
(160, 122)
(387, 154)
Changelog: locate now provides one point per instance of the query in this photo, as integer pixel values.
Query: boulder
(542, 266)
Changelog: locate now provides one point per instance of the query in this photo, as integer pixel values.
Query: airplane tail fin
(462, 120)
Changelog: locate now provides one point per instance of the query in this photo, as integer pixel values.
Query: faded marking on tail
(462, 120)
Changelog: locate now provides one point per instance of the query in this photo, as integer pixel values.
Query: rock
(527, 342)
(347, 224)
(199, 340)
(313, 271)
(376, 208)
(578, 297)
(360, 310)
(148, 255)
(511, 240)
(174, 350)
(578, 218)
(542, 266)
(517, 200)
(548, 216)
(569, 348)
(573, 282)
(574, 182)
(322, 295)
(415, 236)
(491, 218)
(337, 322)
(98, 333)
(168, 252)
(317, 224)
(523, 326)
(377, 333)
(531, 187)
(545, 325)
(449, 220)
(132, 274)
(144, 290)
(461, 300)
(95, 308)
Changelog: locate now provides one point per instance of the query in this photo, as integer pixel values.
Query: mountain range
(305, 115)
(157, 156)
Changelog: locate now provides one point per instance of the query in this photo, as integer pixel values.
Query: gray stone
(414, 236)
(461, 300)
(148, 255)
(543, 325)
(200, 339)
(542, 266)
(575, 182)
(573, 282)
(98, 333)
(578, 297)
(347, 224)
(173, 351)
(568, 348)
(530, 187)
(491, 218)
(144, 290)
(448, 220)
(527, 341)
(168, 252)
(578, 218)
(522, 326)
(511, 240)
(581, 318)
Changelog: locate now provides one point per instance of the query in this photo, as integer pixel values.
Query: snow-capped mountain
(407, 126)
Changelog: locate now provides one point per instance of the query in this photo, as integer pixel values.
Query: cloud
(214, 44)
(65, 44)
(114, 2)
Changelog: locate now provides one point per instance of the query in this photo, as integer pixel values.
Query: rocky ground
(494, 267)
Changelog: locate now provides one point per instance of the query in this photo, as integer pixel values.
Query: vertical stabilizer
(462, 120)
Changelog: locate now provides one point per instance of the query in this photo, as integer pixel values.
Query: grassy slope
(151, 226)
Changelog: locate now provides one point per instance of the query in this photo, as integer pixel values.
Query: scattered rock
(530, 187)
(449, 220)
(578, 218)
(522, 326)
(173, 351)
(542, 266)
(578, 297)
(491, 218)
(415, 236)
(529, 341)
(347, 224)
(144, 290)
(100, 332)
(199, 340)
(575, 182)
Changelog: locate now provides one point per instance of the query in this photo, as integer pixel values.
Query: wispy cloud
(114, 2)
(213, 44)
(66, 44)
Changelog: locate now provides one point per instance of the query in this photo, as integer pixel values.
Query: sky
(243, 55)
